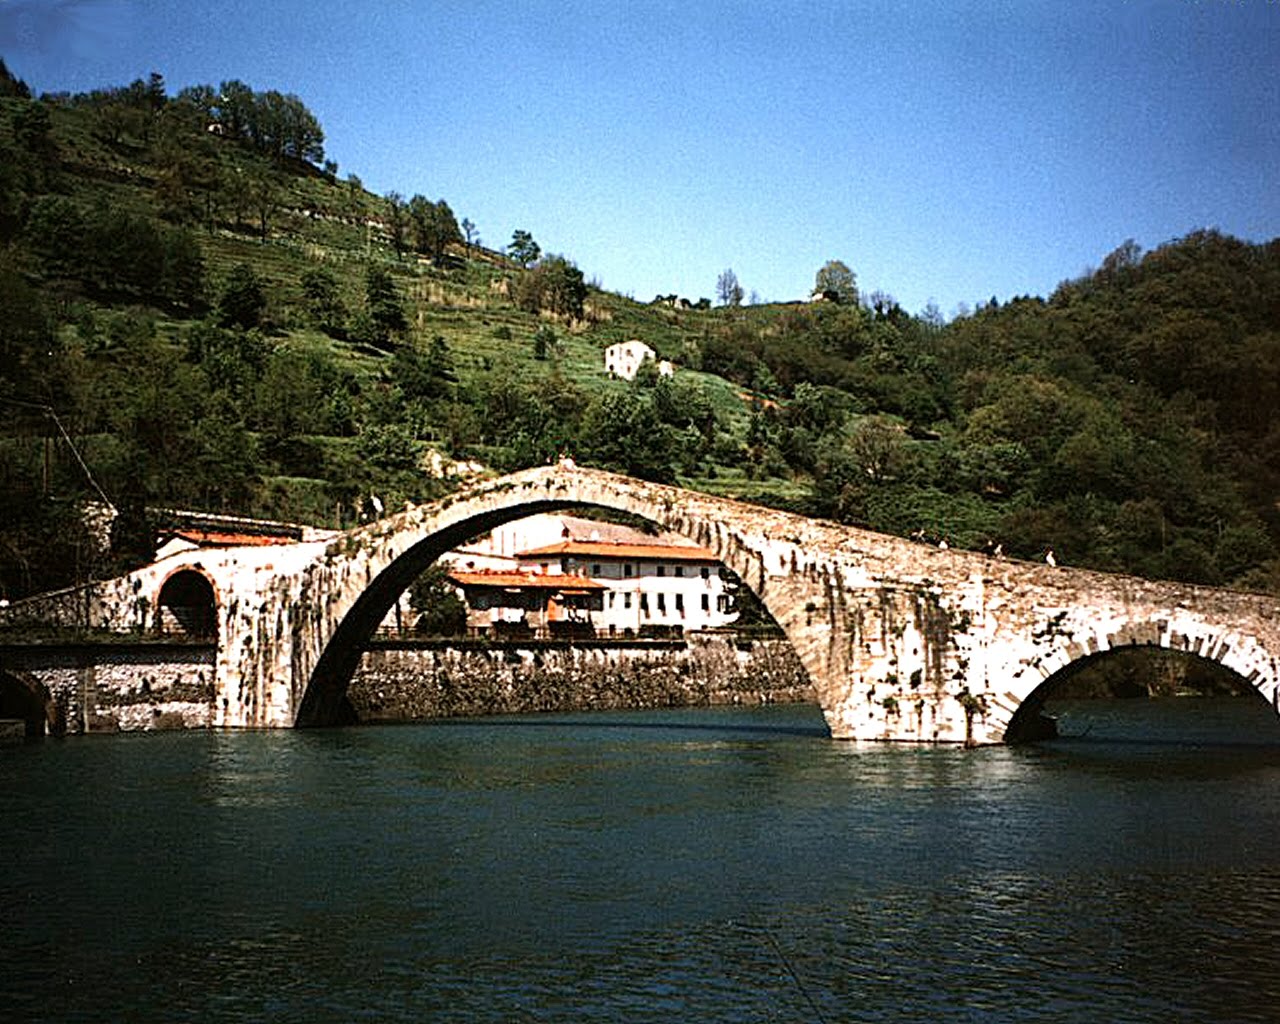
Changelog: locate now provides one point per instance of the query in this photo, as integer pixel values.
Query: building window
(628, 570)
(722, 602)
(595, 568)
(706, 573)
(662, 604)
(706, 602)
(679, 570)
(680, 603)
(662, 570)
(644, 603)
(626, 600)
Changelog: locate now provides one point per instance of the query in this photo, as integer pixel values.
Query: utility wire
(49, 410)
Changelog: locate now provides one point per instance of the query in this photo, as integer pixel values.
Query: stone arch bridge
(903, 641)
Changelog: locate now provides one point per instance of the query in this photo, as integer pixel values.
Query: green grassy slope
(1129, 421)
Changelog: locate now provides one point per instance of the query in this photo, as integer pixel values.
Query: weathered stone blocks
(902, 641)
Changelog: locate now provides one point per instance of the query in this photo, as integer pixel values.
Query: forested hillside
(197, 311)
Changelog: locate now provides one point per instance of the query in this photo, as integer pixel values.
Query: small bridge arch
(1068, 652)
(187, 603)
(1026, 724)
(26, 698)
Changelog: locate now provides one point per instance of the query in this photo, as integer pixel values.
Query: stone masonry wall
(103, 689)
(439, 682)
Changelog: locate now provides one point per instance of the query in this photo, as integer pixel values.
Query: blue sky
(945, 151)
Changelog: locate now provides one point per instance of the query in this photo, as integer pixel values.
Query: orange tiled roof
(630, 552)
(226, 539)
(531, 580)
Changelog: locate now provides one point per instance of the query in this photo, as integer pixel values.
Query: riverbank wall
(74, 688)
(397, 682)
(77, 688)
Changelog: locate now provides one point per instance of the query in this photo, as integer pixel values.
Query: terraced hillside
(197, 310)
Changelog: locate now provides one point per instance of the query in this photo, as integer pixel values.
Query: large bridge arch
(324, 699)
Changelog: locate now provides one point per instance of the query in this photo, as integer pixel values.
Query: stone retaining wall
(399, 683)
(110, 688)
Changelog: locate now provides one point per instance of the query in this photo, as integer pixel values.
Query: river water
(703, 865)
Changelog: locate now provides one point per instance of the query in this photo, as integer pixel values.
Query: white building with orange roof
(558, 574)
(650, 588)
(518, 604)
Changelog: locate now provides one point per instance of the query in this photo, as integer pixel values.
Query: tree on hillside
(555, 285)
(423, 376)
(544, 342)
(155, 91)
(182, 275)
(28, 342)
(118, 121)
(11, 85)
(231, 360)
(623, 432)
(233, 111)
(189, 178)
(33, 128)
(398, 221)
(56, 229)
(124, 254)
(324, 303)
(294, 398)
(835, 281)
(523, 249)
(283, 127)
(384, 311)
(263, 193)
(13, 198)
(728, 290)
(434, 227)
(277, 124)
(242, 302)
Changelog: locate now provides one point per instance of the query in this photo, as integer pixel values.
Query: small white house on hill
(626, 357)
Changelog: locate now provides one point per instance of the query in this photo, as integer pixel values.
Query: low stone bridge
(903, 641)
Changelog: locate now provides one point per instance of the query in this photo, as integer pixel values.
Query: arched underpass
(655, 625)
(1146, 695)
(326, 700)
(188, 605)
(28, 700)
